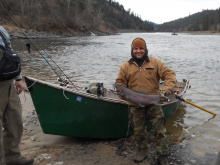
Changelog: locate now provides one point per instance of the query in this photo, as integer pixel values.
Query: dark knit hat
(139, 42)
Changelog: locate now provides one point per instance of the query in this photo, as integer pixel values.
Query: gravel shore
(60, 150)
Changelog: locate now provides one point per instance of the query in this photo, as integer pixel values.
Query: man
(143, 73)
(10, 114)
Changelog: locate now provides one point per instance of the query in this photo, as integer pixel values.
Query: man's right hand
(19, 86)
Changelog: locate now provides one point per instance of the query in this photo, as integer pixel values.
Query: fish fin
(142, 92)
(141, 105)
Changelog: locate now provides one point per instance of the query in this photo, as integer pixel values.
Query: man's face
(138, 52)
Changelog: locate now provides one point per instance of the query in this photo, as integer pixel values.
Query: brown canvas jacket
(147, 78)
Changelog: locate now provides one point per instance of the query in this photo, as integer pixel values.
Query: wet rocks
(31, 123)
(217, 161)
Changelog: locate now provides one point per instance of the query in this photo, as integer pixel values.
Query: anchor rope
(64, 93)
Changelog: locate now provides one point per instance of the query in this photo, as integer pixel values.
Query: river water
(195, 57)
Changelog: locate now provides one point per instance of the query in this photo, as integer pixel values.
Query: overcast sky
(160, 11)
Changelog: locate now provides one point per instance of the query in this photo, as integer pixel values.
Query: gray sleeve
(2, 44)
(5, 38)
(1, 54)
(18, 77)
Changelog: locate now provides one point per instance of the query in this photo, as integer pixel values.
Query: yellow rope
(179, 86)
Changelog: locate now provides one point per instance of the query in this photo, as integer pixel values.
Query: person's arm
(121, 79)
(167, 75)
(19, 85)
(1, 54)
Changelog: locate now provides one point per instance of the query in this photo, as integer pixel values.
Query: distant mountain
(207, 20)
(74, 16)
(152, 23)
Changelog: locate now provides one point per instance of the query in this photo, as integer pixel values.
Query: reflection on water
(98, 58)
(175, 124)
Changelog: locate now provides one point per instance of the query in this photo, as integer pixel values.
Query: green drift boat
(72, 112)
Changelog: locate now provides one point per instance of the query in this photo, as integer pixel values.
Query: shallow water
(97, 59)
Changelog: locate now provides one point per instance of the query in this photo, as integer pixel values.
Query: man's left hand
(19, 86)
(164, 96)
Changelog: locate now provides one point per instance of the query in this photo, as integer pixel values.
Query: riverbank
(200, 32)
(16, 33)
(60, 150)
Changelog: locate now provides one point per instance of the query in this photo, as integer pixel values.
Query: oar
(181, 99)
(75, 85)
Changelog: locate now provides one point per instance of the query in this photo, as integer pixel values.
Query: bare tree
(53, 13)
(76, 7)
(68, 7)
(22, 2)
(98, 18)
(88, 4)
(38, 15)
(32, 12)
(88, 16)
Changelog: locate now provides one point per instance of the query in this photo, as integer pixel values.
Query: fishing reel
(63, 81)
(97, 89)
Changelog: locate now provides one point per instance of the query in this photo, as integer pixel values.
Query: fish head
(120, 91)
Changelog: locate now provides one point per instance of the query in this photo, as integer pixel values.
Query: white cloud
(160, 11)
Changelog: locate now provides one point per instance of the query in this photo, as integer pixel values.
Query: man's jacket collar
(132, 60)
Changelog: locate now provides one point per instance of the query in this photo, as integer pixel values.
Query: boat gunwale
(92, 96)
(77, 92)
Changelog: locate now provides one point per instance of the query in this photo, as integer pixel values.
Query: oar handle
(200, 107)
(181, 99)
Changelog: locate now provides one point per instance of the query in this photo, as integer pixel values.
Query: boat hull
(62, 112)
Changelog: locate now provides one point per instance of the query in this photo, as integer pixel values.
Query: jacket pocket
(149, 69)
(149, 72)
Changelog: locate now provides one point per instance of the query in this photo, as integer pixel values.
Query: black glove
(164, 96)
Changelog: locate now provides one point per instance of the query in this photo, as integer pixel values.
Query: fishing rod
(46, 58)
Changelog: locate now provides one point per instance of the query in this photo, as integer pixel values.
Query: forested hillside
(207, 20)
(73, 15)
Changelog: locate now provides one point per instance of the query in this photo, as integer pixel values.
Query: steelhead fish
(139, 98)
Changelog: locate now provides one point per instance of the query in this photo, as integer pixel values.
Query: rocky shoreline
(17, 33)
(32, 34)
(60, 150)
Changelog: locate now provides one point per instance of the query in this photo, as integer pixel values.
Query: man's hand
(164, 96)
(19, 86)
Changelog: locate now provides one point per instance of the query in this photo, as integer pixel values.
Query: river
(195, 57)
